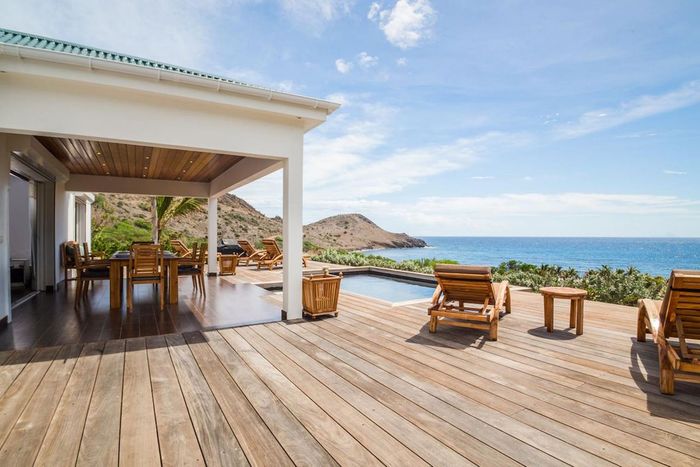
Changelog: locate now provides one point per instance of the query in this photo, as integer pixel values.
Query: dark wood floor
(50, 319)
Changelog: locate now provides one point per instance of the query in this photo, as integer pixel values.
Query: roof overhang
(311, 111)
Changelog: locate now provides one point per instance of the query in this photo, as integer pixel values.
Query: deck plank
(100, 441)
(219, 444)
(176, 436)
(138, 436)
(62, 441)
(24, 441)
(424, 445)
(258, 443)
(299, 444)
(18, 394)
(344, 448)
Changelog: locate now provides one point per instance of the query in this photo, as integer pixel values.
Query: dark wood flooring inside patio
(370, 387)
(50, 318)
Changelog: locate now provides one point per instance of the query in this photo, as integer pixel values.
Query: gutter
(94, 63)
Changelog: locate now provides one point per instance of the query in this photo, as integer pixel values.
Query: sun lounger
(467, 297)
(676, 316)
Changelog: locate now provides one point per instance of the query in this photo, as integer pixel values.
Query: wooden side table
(577, 297)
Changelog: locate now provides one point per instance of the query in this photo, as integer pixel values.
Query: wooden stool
(227, 264)
(576, 296)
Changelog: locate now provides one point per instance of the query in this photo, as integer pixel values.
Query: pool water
(385, 288)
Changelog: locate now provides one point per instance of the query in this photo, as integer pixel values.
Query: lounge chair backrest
(247, 247)
(271, 247)
(468, 284)
(180, 248)
(682, 300)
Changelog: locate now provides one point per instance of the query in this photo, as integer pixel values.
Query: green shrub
(620, 286)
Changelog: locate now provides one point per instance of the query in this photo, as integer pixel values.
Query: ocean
(657, 256)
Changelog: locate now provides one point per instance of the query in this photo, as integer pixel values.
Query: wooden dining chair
(90, 254)
(146, 266)
(68, 259)
(194, 267)
(87, 271)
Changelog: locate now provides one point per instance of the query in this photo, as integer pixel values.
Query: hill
(238, 219)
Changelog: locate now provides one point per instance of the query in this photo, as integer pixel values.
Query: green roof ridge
(34, 41)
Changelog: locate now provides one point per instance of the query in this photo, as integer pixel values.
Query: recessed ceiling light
(145, 168)
(148, 157)
(191, 162)
(184, 171)
(99, 153)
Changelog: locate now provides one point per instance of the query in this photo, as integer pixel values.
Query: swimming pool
(390, 289)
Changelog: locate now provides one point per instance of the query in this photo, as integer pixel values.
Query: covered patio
(83, 120)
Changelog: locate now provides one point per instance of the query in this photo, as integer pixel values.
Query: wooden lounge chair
(250, 253)
(676, 316)
(87, 271)
(146, 266)
(467, 297)
(181, 249)
(274, 255)
(194, 266)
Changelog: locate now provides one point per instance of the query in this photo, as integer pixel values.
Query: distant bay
(657, 256)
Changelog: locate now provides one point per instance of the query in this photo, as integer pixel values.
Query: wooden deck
(367, 388)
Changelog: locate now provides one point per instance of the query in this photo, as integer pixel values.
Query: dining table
(118, 263)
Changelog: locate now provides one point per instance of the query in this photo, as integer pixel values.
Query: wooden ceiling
(123, 160)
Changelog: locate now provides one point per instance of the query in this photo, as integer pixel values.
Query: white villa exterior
(55, 94)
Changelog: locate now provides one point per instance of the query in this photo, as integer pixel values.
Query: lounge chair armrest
(649, 311)
(501, 293)
(436, 296)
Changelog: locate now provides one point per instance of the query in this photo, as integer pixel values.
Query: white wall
(63, 217)
(20, 227)
(4, 228)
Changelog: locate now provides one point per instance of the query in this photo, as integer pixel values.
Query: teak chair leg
(666, 381)
(641, 325)
(493, 330)
(507, 300)
(433, 324)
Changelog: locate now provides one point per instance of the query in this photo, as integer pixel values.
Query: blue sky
(458, 118)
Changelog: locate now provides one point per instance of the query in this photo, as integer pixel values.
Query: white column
(64, 213)
(5, 307)
(292, 233)
(212, 217)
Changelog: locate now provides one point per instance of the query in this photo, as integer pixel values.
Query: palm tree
(166, 208)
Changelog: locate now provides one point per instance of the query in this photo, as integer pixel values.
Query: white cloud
(483, 177)
(402, 61)
(366, 60)
(641, 107)
(407, 24)
(674, 172)
(348, 162)
(343, 66)
(555, 214)
(313, 15)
